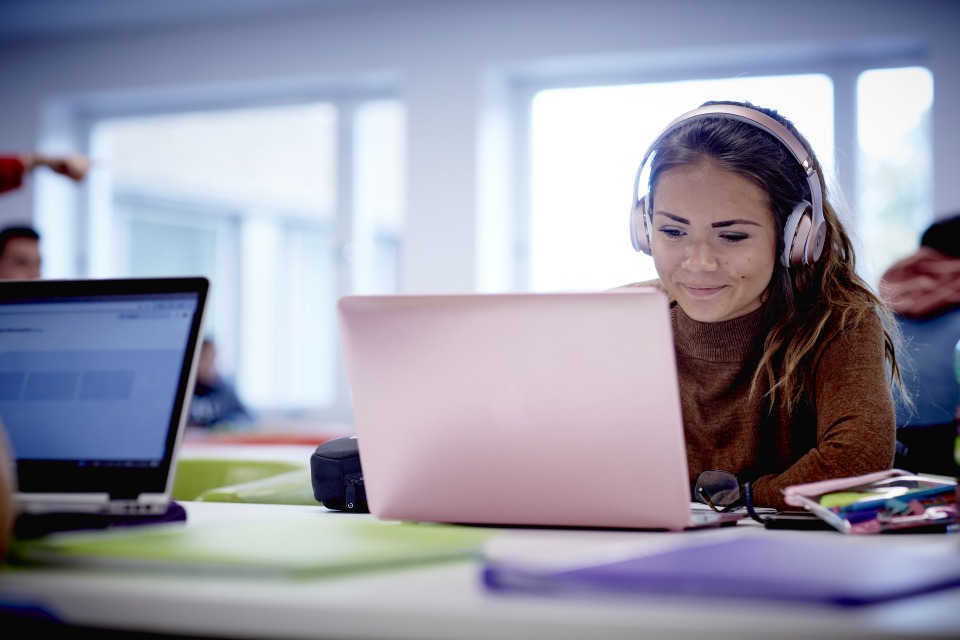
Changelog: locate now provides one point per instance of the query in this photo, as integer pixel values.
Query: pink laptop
(536, 409)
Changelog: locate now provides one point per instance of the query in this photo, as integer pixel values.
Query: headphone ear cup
(796, 235)
(639, 233)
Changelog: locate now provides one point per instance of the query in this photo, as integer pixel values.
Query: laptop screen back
(555, 409)
(94, 378)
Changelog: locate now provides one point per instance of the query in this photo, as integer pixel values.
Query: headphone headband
(813, 247)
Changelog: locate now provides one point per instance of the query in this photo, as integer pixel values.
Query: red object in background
(281, 437)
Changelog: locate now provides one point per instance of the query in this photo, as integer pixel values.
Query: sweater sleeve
(855, 418)
(11, 173)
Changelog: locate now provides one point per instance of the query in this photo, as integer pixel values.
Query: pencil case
(891, 501)
(337, 477)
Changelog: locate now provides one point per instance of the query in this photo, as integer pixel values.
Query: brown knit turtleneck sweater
(847, 429)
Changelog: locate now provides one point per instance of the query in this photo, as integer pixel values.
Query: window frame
(78, 118)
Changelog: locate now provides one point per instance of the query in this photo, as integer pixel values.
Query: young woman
(783, 352)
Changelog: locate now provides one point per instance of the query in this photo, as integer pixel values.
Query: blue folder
(788, 569)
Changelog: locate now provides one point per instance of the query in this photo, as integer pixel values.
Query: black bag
(337, 475)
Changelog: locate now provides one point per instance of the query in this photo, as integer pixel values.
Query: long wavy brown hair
(808, 304)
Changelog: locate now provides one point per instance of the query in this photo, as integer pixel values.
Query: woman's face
(713, 241)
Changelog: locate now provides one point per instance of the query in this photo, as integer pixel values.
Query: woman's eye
(671, 232)
(734, 237)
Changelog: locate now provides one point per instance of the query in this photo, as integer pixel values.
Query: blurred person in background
(924, 291)
(20, 258)
(215, 401)
(19, 253)
(20, 244)
(7, 489)
(15, 167)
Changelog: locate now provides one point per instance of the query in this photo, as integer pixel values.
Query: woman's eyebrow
(673, 217)
(716, 225)
(730, 223)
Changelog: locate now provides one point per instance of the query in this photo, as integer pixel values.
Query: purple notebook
(775, 568)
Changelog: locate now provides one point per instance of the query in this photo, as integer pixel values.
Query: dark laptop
(95, 382)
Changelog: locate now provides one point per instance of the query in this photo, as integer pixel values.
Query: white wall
(448, 57)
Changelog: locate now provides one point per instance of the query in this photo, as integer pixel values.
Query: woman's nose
(699, 257)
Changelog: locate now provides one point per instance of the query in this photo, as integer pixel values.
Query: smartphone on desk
(797, 520)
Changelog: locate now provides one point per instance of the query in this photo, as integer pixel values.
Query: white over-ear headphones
(804, 232)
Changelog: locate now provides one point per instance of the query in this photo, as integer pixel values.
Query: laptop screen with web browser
(95, 380)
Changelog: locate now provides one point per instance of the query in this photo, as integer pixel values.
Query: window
(274, 204)
(894, 137)
(586, 143)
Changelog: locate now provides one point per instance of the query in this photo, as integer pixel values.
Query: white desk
(449, 601)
